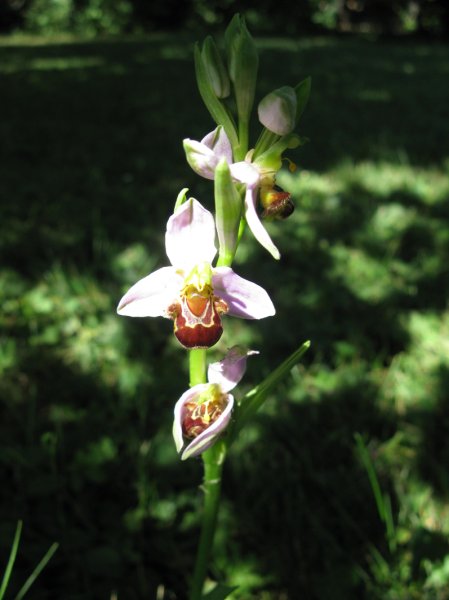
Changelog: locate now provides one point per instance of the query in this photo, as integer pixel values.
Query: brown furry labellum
(198, 416)
(277, 203)
(197, 320)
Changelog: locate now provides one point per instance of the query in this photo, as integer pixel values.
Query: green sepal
(228, 210)
(266, 139)
(180, 199)
(272, 157)
(220, 592)
(254, 399)
(216, 108)
(302, 91)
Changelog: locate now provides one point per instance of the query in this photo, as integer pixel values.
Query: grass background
(92, 162)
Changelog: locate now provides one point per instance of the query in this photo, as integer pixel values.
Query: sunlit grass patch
(72, 315)
(368, 278)
(412, 379)
(381, 179)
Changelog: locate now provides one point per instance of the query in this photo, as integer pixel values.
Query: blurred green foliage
(91, 17)
(92, 163)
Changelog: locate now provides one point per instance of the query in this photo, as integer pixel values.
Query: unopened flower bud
(243, 62)
(277, 111)
(215, 68)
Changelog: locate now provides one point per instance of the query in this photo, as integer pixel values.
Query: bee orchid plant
(199, 289)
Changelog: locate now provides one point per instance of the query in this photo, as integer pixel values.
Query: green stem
(214, 457)
(225, 260)
(197, 366)
(241, 148)
(213, 465)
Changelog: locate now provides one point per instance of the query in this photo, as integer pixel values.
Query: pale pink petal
(190, 237)
(256, 226)
(245, 299)
(218, 141)
(245, 172)
(229, 371)
(205, 440)
(201, 158)
(187, 396)
(152, 295)
(204, 156)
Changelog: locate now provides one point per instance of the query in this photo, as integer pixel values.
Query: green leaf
(256, 397)
(220, 592)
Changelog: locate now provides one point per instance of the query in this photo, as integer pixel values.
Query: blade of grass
(389, 523)
(383, 501)
(37, 571)
(372, 476)
(11, 560)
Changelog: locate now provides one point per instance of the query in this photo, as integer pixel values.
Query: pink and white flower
(191, 291)
(259, 174)
(203, 412)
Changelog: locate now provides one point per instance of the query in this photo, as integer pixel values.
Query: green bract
(215, 68)
(243, 62)
(271, 159)
(228, 209)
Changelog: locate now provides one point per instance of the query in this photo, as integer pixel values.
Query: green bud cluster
(227, 84)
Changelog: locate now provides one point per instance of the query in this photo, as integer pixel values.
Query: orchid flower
(204, 411)
(192, 292)
(257, 175)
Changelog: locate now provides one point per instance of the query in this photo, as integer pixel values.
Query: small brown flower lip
(197, 321)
